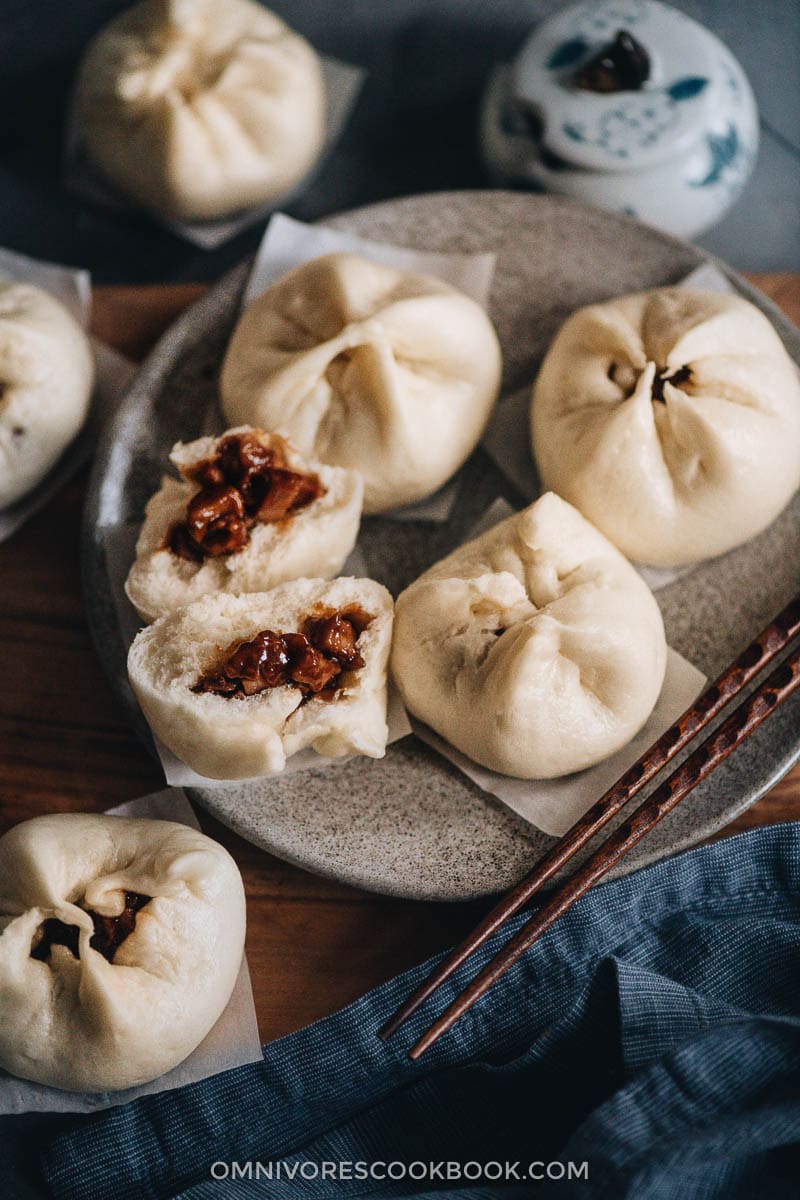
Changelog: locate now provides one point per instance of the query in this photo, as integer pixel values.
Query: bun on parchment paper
(536, 649)
(46, 377)
(199, 109)
(387, 372)
(242, 736)
(671, 419)
(311, 525)
(121, 940)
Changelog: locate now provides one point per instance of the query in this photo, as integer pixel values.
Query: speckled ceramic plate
(410, 824)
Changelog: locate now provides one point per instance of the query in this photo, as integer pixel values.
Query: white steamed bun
(200, 108)
(46, 375)
(388, 372)
(313, 539)
(252, 732)
(97, 1004)
(535, 649)
(671, 419)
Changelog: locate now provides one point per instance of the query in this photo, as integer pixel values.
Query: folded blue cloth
(647, 1047)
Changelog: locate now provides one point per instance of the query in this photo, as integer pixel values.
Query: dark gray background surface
(413, 129)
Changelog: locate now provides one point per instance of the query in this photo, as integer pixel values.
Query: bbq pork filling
(229, 683)
(315, 660)
(247, 514)
(245, 483)
(109, 931)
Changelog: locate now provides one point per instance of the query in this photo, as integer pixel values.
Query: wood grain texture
(65, 745)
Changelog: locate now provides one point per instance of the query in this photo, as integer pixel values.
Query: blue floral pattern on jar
(640, 121)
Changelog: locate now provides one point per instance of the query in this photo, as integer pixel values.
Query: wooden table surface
(65, 745)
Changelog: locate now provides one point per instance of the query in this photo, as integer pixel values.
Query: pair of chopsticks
(746, 717)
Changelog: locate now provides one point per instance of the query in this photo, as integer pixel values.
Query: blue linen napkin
(652, 1035)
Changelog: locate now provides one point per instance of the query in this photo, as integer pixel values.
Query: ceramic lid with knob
(623, 85)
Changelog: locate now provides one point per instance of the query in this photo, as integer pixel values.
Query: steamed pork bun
(46, 375)
(200, 108)
(121, 940)
(388, 372)
(671, 419)
(247, 514)
(235, 685)
(536, 649)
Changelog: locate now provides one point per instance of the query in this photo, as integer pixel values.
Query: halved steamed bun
(391, 373)
(535, 649)
(201, 108)
(671, 419)
(121, 940)
(249, 513)
(235, 685)
(46, 376)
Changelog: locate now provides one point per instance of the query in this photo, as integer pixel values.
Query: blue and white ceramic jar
(628, 105)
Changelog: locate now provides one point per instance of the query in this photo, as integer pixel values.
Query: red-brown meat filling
(109, 932)
(314, 660)
(246, 483)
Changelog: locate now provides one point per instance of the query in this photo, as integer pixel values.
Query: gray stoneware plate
(410, 824)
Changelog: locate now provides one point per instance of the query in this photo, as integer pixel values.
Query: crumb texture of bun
(536, 649)
(360, 365)
(671, 419)
(201, 108)
(223, 737)
(78, 1018)
(46, 377)
(313, 541)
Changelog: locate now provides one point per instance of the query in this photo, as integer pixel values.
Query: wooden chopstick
(715, 749)
(761, 651)
(778, 686)
(745, 718)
